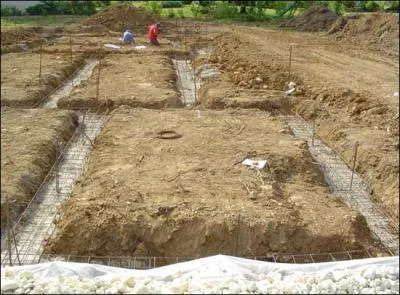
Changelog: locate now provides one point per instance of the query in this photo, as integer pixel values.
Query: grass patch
(40, 20)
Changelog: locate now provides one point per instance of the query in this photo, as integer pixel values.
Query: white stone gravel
(222, 275)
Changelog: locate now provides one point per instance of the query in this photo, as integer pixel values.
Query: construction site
(270, 144)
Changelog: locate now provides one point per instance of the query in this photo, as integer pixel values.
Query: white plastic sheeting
(215, 274)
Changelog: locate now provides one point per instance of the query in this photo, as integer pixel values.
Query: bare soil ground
(93, 42)
(353, 88)
(139, 80)
(28, 150)
(144, 196)
(190, 196)
(20, 39)
(220, 94)
(20, 76)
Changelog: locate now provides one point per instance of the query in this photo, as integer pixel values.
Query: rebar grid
(188, 81)
(82, 73)
(37, 222)
(43, 101)
(138, 262)
(349, 186)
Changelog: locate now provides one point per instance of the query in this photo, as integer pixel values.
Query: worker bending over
(153, 33)
(127, 37)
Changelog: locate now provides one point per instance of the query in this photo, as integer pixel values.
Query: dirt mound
(20, 34)
(120, 17)
(379, 30)
(312, 20)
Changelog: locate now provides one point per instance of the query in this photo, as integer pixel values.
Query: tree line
(55, 7)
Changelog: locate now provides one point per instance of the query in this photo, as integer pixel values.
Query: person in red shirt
(153, 33)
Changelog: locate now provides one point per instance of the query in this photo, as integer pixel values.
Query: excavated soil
(28, 144)
(377, 159)
(20, 39)
(9, 36)
(312, 20)
(354, 88)
(242, 70)
(83, 43)
(20, 76)
(123, 16)
(142, 195)
(220, 94)
(378, 31)
(138, 80)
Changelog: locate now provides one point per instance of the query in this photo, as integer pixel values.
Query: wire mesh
(148, 262)
(37, 223)
(349, 186)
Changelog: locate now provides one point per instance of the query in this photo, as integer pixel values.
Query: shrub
(224, 11)
(371, 6)
(392, 6)
(154, 6)
(171, 13)
(280, 7)
(180, 13)
(204, 9)
(338, 7)
(171, 4)
(195, 9)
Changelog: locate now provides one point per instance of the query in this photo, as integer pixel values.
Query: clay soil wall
(137, 80)
(20, 76)
(220, 94)
(28, 150)
(188, 196)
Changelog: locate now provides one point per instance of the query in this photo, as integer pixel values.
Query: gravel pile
(367, 279)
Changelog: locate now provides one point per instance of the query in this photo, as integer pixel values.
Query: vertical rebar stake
(98, 76)
(354, 164)
(15, 245)
(184, 32)
(70, 46)
(16, 33)
(206, 35)
(186, 66)
(290, 61)
(8, 229)
(237, 236)
(313, 129)
(58, 171)
(194, 74)
(40, 64)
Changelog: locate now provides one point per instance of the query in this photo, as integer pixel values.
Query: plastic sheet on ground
(216, 274)
(112, 46)
(255, 163)
(206, 268)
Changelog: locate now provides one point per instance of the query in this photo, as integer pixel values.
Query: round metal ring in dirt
(168, 134)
